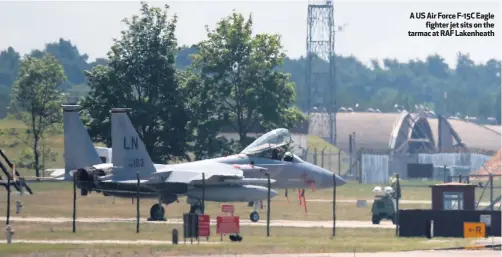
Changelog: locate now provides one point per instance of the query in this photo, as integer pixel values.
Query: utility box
(453, 196)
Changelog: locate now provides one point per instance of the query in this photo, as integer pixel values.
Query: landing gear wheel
(254, 216)
(375, 219)
(157, 212)
(235, 238)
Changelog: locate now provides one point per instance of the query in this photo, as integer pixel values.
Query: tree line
(183, 95)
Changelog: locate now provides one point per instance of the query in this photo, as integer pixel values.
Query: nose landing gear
(254, 216)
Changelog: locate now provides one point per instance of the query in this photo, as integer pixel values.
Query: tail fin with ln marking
(128, 150)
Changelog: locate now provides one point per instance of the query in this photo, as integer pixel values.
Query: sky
(369, 29)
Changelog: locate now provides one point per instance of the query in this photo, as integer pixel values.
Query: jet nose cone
(340, 181)
(273, 193)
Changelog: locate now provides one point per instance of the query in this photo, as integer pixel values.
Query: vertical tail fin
(79, 152)
(128, 150)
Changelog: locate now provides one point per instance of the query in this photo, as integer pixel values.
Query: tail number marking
(131, 143)
(136, 163)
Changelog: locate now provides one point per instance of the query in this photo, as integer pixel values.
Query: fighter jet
(79, 152)
(236, 178)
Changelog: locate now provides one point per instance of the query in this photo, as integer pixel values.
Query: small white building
(105, 154)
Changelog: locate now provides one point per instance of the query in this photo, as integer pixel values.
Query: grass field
(55, 200)
(282, 240)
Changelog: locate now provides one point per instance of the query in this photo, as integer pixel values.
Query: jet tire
(157, 212)
(254, 216)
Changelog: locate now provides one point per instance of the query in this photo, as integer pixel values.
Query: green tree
(141, 74)
(37, 98)
(498, 108)
(239, 82)
(9, 67)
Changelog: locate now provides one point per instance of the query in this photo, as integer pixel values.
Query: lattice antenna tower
(320, 75)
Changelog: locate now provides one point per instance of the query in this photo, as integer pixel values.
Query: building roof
(388, 130)
(476, 136)
(472, 135)
(492, 166)
(453, 184)
(372, 130)
(496, 128)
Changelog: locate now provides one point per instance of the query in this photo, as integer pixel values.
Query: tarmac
(273, 223)
(477, 253)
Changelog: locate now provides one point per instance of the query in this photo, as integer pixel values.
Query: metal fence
(337, 162)
(375, 166)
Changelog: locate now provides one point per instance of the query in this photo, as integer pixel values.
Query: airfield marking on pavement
(111, 242)
(274, 223)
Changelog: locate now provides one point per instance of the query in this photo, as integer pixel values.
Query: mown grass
(282, 240)
(54, 199)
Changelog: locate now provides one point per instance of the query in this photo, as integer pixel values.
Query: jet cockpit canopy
(273, 139)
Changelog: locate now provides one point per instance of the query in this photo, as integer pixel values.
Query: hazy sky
(373, 29)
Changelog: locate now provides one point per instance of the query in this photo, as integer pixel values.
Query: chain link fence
(337, 162)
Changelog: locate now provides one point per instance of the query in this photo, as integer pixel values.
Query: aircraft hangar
(385, 143)
(406, 132)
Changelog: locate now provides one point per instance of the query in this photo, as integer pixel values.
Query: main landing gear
(157, 212)
(254, 216)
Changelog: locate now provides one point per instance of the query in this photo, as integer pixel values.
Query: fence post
(74, 226)
(268, 204)
(322, 157)
(334, 206)
(339, 162)
(350, 154)
(137, 201)
(491, 192)
(7, 220)
(315, 156)
(398, 196)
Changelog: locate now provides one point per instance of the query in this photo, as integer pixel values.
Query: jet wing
(188, 173)
(214, 173)
(124, 181)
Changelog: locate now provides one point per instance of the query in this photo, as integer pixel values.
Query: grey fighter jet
(79, 152)
(235, 178)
